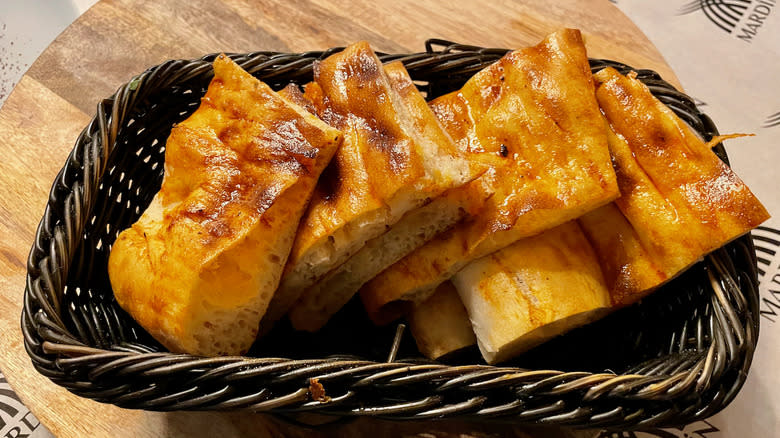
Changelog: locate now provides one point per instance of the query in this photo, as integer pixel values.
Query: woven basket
(680, 355)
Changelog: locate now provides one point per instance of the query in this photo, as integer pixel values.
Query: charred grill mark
(626, 181)
(522, 202)
(218, 229)
(351, 78)
(399, 79)
(283, 145)
(292, 136)
(390, 141)
(381, 134)
(236, 110)
(491, 94)
(358, 96)
(209, 217)
(227, 191)
(228, 134)
(331, 117)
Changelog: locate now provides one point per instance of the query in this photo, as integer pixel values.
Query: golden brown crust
(452, 111)
(629, 269)
(440, 324)
(557, 138)
(293, 94)
(204, 258)
(678, 202)
(395, 158)
(537, 108)
(345, 190)
(359, 92)
(438, 155)
(680, 198)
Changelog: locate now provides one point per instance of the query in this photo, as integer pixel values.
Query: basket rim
(60, 355)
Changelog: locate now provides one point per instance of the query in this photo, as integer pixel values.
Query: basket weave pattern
(678, 356)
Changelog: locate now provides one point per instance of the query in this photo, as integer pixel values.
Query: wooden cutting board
(117, 39)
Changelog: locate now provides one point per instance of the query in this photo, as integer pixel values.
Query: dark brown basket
(678, 356)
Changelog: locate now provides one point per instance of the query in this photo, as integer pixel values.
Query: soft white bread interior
(535, 289)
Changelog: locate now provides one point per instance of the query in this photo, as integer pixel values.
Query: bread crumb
(317, 391)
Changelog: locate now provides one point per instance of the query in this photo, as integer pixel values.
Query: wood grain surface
(117, 39)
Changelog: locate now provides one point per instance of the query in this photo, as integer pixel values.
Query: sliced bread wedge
(198, 268)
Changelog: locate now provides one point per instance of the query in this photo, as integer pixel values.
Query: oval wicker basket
(680, 355)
